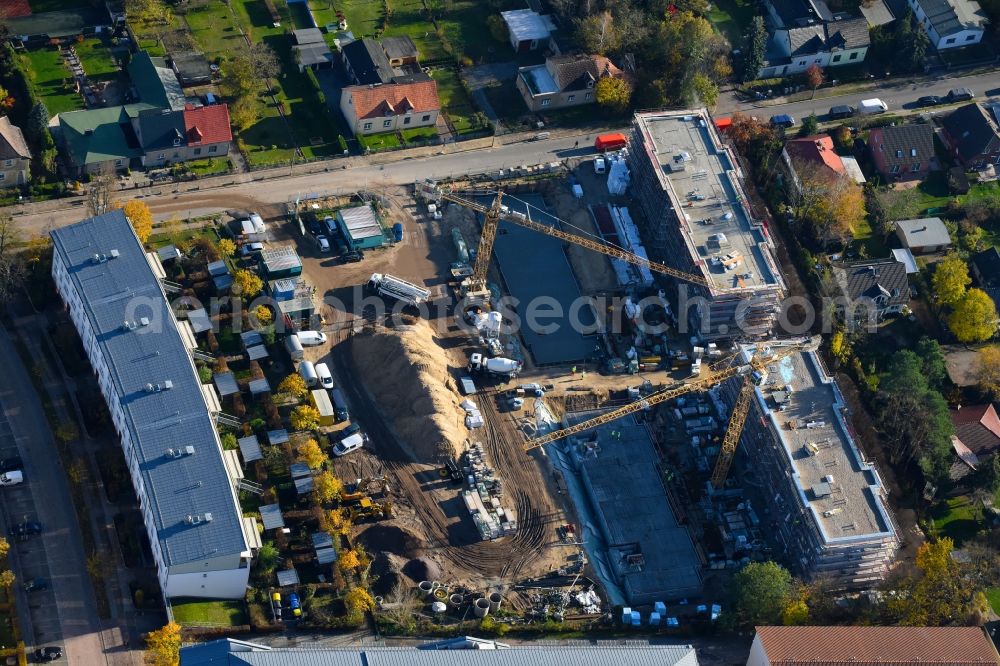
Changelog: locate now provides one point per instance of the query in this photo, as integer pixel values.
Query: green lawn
(454, 100)
(39, 6)
(419, 135)
(198, 612)
(956, 518)
(993, 595)
(97, 60)
(50, 77)
(208, 167)
(464, 26)
(732, 18)
(379, 141)
(214, 29)
(299, 15)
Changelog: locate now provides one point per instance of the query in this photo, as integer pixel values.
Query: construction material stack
(483, 497)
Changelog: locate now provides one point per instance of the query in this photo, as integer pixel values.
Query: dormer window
(590, 84)
(177, 141)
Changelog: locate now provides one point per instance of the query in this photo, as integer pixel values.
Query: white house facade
(951, 24)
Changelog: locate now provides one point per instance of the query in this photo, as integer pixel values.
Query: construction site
(601, 463)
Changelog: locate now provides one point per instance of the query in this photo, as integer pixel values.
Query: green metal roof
(100, 135)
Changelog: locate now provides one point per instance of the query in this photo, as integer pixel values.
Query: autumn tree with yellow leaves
(163, 646)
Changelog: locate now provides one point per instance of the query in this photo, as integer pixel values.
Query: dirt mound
(421, 568)
(390, 539)
(386, 574)
(407, 374)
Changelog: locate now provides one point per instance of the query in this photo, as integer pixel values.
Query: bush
(204, 374)
(342, 143)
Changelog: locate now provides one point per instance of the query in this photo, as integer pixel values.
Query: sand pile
(407, 373)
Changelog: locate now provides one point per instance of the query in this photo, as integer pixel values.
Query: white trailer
(387, 285)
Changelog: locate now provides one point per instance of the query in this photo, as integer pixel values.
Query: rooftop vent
(114, 254)
(144, 321)
(208, 517)
(128, 325)
(99, 258)
(156, 388)
(189, 450)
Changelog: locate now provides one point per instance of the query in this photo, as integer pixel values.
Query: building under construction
(823, 506)
(697, 220)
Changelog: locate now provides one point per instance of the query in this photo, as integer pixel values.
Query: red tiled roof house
(977, 433)
(812, 157)
(168, 137)
(390, 107)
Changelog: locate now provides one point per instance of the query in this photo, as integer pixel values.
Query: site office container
(610, 141)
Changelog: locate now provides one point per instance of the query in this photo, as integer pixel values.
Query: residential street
(898, 94)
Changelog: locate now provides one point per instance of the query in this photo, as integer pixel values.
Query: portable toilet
(654, 619)
(636, 618)
(660, 608)
(626, 615)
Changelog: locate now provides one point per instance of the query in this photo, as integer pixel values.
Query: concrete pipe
(455, 600)
(481, 608)
(495, 599)
(426, 588)
(435, 585)
(441, 594)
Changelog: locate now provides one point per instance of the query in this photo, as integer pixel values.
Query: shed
(313, 56)
(199, 321)
(528, 30)
(258, 386)
(905, 257)
(223, 282)
(277, 436)
(251, 339)
(192, 68)
(303, 485)
(299, 470)
(217, 268)
(288, 577)
(280, 262)
(253, 534)
(400, 50)
(225, 382)
(927, 234)
(168, 253)
(257, 352)
(322, 401)
(360, 227)
(321, 540)
(270, 516)
(326, 556)
(250, 448)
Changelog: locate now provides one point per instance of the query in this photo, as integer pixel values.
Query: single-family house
(400, 50)
(101, 140)
(951, 23)
(15, 157)
(154, 82)
(527, 29)
(390, 107)
(925, 235)
(365, 62)
(973, 136)
(986, 267)
(903, 152)
(192, 68)
(844, 40)
(311, 50)
(563, 81)
(977, 433)
(812, 158)
(168, 137)
(871, 289)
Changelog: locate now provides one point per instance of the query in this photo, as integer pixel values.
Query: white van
(599, 165)
(324, 375)
(868, 107)
(308, 372)
(311, 338)
(348, 444)
(11, 478)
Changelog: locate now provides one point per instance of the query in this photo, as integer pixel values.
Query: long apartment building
(159, 408)
(689, 188)
(824, 506)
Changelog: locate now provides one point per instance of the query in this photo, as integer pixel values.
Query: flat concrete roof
(702, 179)
(829, 471)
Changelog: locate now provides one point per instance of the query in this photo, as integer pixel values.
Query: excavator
(753, 371)
(367, 509)
(362, 488)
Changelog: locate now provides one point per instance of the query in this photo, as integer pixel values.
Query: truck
(308, 372)
(401, 290)
(294, 347)
(614, 141)
(872, 106)
(502, 367)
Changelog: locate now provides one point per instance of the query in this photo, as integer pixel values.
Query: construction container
(612, 141)
(321, 399)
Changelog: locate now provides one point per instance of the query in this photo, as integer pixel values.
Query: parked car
(36, 585)
(928, 100)
(600, 165)
(960, 95)
(349, 430)
(311, 338)
(324, 375)
(841, 111)
(251, 248)
(868, 107)
(353, 257)
(314, 228)
(10, 464)
(348, 444)
(783, 120)
(47, 654)
(25, 529)
(12, 478)
(397, 232)
(322, 243)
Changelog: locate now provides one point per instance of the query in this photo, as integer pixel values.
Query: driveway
(66, 614)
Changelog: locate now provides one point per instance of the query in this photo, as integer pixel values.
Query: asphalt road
(344, 177)
(896, 94)
(66, 614)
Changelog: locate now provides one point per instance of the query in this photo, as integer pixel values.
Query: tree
(12, 266)
(100, 192)
(359, 600)
(7, 578)
(950, 279)
(38, 123)
(759, 593)
(247, 283)
(226, 247)
(147, 11)
(933, 365)
(140, 216)
(244, 112)
(815, 77)
(327, 487)
(614, 94)
(974, 317)
(831, 204)
(598, 33)
(335, 522)
(264, 60)
(348, 561)
(910, 44)
(755, 139)
(305, 417)
(311, 454)
(756, 47)
(810, 125)
(263, 315)
(163, 646)
(4, 548)
(938, 595)
(683, 61)
(293, 385)
(988, 375)
(498, 29)
(267, 557)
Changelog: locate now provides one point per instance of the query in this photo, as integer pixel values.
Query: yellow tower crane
(715, 374)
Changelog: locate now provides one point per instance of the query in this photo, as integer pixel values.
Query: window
(546, 102)
(588, 96)
(197, 151)
(571, 98)
(406, 120)
(899, 153)
(970, 38)
(367, 126)
(160, 156)
(119, 162)
(3, 176)
(950, 40)
(802, 62)
(426, 118)
(818, 60)
(387, 123)
(894, 169)
(8, 163)
(836, 58)
(996, 160)
(213, 149)
(916, 167)
(854, 56)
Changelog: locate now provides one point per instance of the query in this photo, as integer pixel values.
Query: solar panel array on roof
(225, 382)
(270, 516)
(157, 387)
(250, 448)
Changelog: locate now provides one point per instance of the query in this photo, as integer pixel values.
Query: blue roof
(125, 288)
